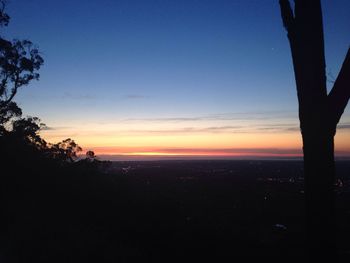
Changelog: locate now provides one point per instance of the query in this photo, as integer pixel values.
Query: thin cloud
(135, 97)
(68, 95)
(267, 115)
(47, 128)
(343, 126)
(217, 129)
(287, 127)
(213, 129)
(293, 127)
(56, 128)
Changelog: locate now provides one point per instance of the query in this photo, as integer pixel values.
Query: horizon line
(125, 157)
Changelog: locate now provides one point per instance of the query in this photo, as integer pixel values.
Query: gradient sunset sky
(171, 77)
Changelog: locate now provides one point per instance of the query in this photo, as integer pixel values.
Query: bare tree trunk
(320, 200)
(319, 114)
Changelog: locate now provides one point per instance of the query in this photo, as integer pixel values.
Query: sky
(171, 77)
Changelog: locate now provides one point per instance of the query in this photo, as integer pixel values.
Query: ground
(168, 211)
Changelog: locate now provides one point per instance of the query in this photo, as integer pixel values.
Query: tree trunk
(319, 114)
(319, 170)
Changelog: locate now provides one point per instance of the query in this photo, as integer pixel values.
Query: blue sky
(108, 61)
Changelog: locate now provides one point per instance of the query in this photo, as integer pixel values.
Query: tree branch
(339, 96)
(287, 14)
(305, 34)
(14, 90)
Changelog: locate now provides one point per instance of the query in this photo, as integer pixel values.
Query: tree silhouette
(65, 150)
(90, 155)
(319, 114)
(19, 64)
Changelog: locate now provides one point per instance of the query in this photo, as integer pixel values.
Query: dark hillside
(180, 211)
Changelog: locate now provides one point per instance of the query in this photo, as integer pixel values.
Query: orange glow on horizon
(178, 152)
(141, 142)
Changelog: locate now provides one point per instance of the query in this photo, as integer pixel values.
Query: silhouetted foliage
(90, 154)
(20, 62)
(319, 114)
(8, 112)
(19, 65)
(26, 129)
(65, 150)
(4, 17)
